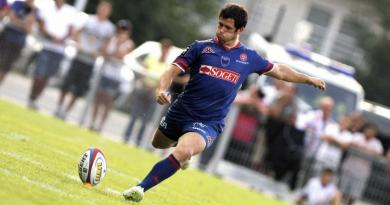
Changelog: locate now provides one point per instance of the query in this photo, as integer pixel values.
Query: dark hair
(370, 126)
(105, 1)
(237, 13)
(124, 24)
(327, 171)
(260, 93)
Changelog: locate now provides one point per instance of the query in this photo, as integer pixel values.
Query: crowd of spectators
(298, 146)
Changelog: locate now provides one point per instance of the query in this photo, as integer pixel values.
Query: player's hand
(318, 83)
(163, 97)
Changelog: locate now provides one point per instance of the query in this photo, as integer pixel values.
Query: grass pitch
(38, 165)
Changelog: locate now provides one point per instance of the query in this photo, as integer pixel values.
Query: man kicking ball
(217, 69)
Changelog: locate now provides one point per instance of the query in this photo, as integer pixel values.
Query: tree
(376, 43)
(179, 20)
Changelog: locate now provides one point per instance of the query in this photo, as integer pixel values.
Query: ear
(240, 30)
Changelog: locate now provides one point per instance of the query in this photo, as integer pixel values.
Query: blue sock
(160, 171)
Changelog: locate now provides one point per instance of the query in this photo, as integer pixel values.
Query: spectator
(4, 9)
(272, 91)
(336, 138)
(321, 190)
(285, 107)
(357, 122)
(143, 103)
(253, 98)
(55, 25)
(284, 141)
(248, 122)
(357, 168)
(90, 39)
(13, 37)
(314, 123)
(113, 73)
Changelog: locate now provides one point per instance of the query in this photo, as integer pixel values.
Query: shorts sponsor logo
(163, 124)
(220, 73)
(198, 126)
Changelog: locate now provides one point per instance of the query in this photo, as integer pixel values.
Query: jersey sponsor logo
(185, 51)
(225, 61)
(220, 73)
(208, 50)
(243, 59)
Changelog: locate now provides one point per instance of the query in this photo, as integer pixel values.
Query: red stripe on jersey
(267, 68)
(181, 63)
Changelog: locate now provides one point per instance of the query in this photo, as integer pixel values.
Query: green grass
(38, 165)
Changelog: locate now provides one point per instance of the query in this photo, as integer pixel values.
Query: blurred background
(96, 64)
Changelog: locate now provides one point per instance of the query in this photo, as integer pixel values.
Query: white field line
(17, 136)
(109, 190)
(43, 185)
(122, 174)
(73, 177)
(57, 151)
(21, 158)
(113, 191)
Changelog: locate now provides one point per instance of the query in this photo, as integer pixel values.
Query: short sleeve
(187, 58)
(332, 129)
(308, 187)
(111, 30)
(378, 148)
(260, 64)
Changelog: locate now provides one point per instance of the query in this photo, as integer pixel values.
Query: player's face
(226, 31)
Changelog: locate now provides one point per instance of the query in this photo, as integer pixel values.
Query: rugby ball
(92, 166)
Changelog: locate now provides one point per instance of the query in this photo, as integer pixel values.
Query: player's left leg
(161, 141)
(189, 144)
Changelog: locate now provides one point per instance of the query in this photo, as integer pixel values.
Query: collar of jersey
(226, 48)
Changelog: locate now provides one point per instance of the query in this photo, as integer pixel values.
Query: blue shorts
(48, 63)
(174, 129)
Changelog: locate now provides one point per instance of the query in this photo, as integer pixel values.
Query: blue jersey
(216, 74)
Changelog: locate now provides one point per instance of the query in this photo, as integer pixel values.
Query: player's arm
(337, 199)
(284, 72)
(162, 96)
(301, 200)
